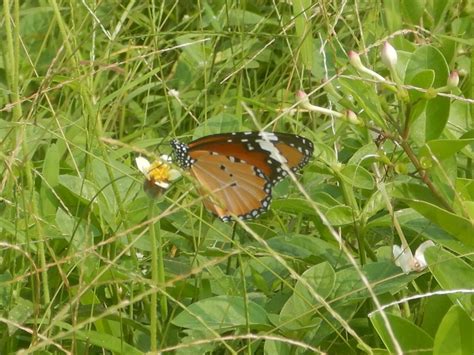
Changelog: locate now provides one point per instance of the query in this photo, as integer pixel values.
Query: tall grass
(89, 263)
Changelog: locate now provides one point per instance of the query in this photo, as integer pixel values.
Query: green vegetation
(90, 264)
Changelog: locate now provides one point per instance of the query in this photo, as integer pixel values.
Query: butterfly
(237, 171)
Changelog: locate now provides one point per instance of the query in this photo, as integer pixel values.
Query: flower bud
(355, 61)
(352, 118)
(389, 55)
(453, 79)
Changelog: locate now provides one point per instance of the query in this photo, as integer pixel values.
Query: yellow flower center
(159, 171)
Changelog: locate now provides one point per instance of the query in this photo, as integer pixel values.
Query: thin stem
(155, 281)
(423, 175)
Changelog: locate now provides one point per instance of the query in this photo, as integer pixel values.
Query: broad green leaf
(376, 202)
(455, 333)
(385, 276)
(72, 230)
(437, 109)
(423, 79)
(293, 205)
(340, 215)
(82, 189)
(427, 58)
(437, 113)
(357, 176)
(221, 313)
(444, 148)
(364, 156)
(452, 273)
(104, 341)
(192, 343)
(434, 310)
(324, 153)
(413, 10)
(410, 337)
(272, 347)
(305, 247)
(301, 307)
(366, 97)
(20, 312)
(419, 198)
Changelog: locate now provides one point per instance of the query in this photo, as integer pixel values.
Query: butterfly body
(237, 171)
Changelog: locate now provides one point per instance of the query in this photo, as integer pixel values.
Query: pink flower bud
(389, 55)
(300, 94)
(355, 61)
(453, 79)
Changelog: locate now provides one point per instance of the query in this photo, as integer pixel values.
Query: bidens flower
(408, 262)
(158, 174)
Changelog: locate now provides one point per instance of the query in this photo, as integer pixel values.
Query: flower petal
(420, 254)
(166, 158)
(403, 258)
(162, 184)
(174, 174)
(143, 165)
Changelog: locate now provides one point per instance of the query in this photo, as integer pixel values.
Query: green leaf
(301, 307)
(427, 58)
(340, 215)
(357, 176)
(393, 14)
(293, 205)
(305, 247)
(277, 347)
(220, 123)
(439, 9)
(423, 79)
(239, 17)
(303, 26)
(221, 313)
(104, 341)
(82, 189)
(366, 97)
(444, 148)
(434, 310)
(22, 310)
(410, 337)
(385, 275)
(420, 199)
(452, 273)
(454, 334)
(413, 10)
(437, 114)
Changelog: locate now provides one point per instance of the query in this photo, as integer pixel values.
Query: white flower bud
(389, 55)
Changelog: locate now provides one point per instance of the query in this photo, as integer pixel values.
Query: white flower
(159, 172)
(408, 262)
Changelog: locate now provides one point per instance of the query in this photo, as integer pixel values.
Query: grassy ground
(89, 263)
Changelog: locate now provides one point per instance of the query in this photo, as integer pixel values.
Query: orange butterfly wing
(236, 171)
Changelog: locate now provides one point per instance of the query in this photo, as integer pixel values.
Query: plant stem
(423, 175)
(155, 281)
